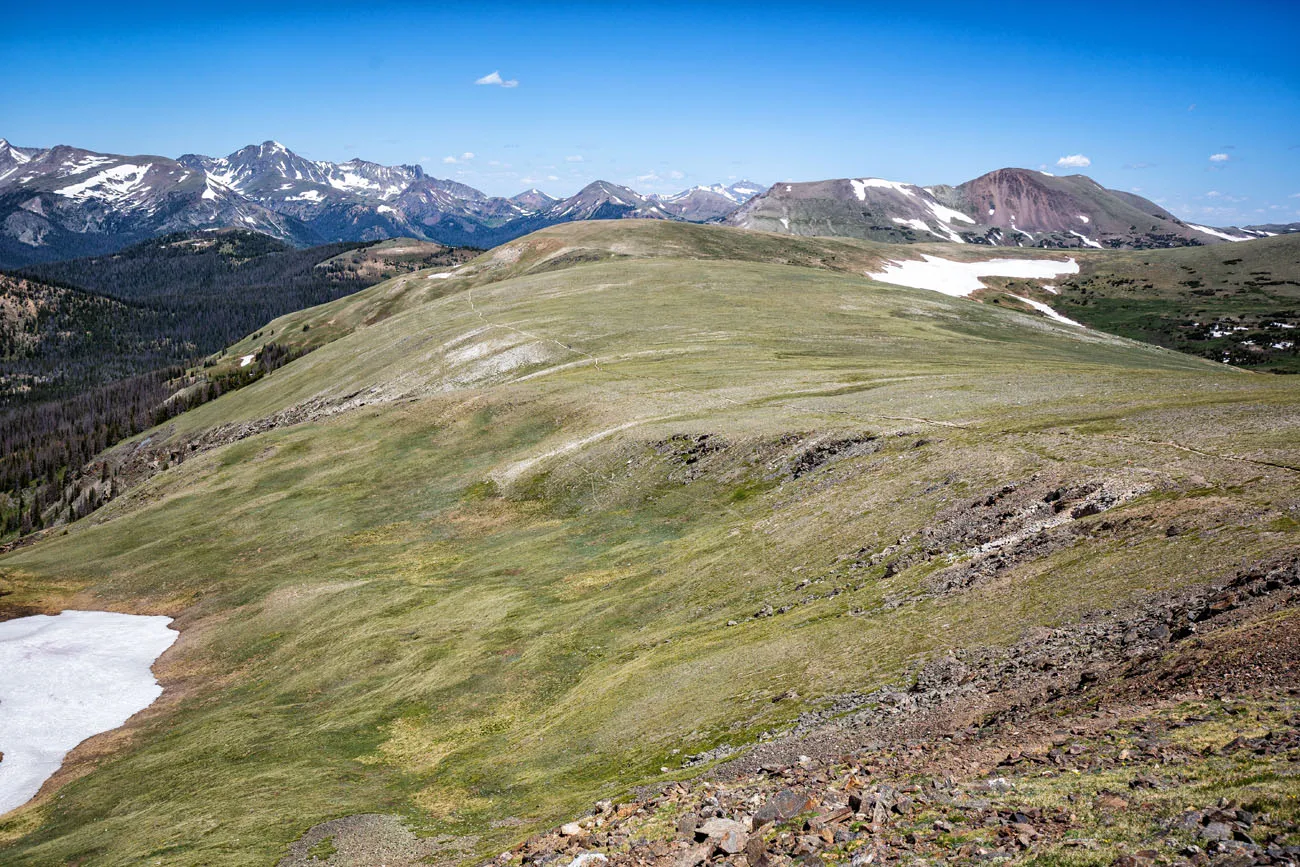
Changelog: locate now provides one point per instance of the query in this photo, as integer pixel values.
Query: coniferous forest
(96, 350)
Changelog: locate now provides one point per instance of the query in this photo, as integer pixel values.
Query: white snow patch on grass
(919, 225)
(960, 279)
(1216, 233)
(247, 359)
(1085, 239)
(64, 679)
(1048, 311)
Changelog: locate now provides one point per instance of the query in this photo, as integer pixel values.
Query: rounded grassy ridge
(517, 539)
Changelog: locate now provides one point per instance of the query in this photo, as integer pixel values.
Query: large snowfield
(67, 677)
(962, 278)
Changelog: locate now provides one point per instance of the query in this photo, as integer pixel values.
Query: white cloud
(648, 179)
(1074, 161)
(552, 178)
(1294, 196)
(463, 158)
(495, 78)
(1219, 158)
(676, 175)
(576, 158)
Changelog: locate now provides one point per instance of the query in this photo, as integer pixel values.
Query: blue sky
(1196, 106)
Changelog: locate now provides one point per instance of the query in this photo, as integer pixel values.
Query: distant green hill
(527, 533)
(1237, 303)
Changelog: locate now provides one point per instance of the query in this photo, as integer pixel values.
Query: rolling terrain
(608, 505)
(1238, 305)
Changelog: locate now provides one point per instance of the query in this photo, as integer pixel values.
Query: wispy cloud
(1138, 165)
(463, 158)
(576, 158)
(494, 77)
(1219, 158)
(1074, 161)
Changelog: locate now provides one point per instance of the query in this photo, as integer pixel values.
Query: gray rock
(784, 805)
(1216, 831)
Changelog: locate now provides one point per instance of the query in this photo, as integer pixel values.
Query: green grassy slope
(1238, 303)
(493, 571)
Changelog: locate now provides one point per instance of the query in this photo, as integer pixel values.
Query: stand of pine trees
(48, 472)
(96, 350)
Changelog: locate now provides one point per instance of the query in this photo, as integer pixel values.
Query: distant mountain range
(65, 202)
(1005, 208)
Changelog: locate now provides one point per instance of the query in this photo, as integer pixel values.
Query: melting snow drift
(1047, 311)
(65, 678)
(962, 278)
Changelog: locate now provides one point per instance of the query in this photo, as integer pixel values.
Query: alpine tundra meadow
(673, 435)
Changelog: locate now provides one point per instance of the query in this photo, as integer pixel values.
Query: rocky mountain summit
(1005, 208)
(707, 204)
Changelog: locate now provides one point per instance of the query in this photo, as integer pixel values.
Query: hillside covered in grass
(1236, 303)
(607, 505)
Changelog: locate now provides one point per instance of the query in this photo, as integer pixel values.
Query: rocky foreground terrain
(1109, 742)
(1164, 734)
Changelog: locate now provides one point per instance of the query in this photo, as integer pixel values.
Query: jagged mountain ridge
(711, 203)
(1007, 207)
(65, 202)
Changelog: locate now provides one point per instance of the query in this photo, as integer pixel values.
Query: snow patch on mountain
(75, 167)
(947, 214)
(860, 187)
(113, 184)
(67, 678)
(1048, 311)
(1218, 234)
(960, 279)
